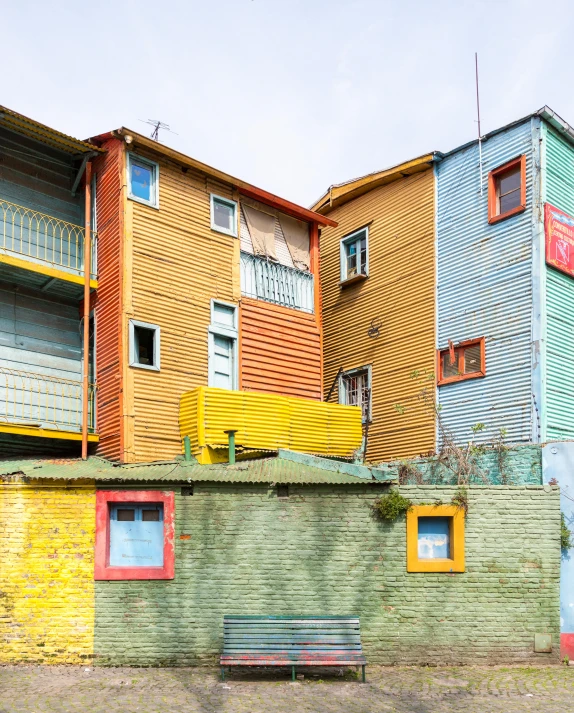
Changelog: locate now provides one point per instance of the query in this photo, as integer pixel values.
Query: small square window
(144, 345)
(507, 190)
(466, 360)
(142, 180)
(282, 491)
(355, 390)
(435, 538)
(223, 215)
(134, 535)
(355, 256)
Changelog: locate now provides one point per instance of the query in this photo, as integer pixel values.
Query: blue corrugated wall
(559, 191)
(485, 289)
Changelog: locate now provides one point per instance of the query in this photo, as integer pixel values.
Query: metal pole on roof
(86, 336)
(478, 118)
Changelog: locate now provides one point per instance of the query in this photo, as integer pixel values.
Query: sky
(290, 95)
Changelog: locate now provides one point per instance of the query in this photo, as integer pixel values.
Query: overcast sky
(291, 95)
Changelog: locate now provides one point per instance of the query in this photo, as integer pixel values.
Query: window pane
(141, 181)
(222, 362)
(223, 215)
(137, 542)
(434, 538)
(224, 315)
(357, 392)
(509, 182)
(472, 359)
(449, 369)
(126, 515)
(509, 201)
(351, 250)
(144, 345)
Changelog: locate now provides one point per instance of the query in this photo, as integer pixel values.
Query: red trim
(493, 215)
(567, 646)
(102, 569)
(292, 209)
(459, 350)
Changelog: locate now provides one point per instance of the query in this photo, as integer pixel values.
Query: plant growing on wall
(565, 534)
(460, 499)
(391, 506)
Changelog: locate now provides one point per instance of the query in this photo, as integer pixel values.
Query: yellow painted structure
(46, 432)
(47, 270)
(456, 561)
(47, 572)
(398, 297)
(266, 422)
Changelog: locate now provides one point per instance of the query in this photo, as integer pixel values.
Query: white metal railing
(42, 237)
(28, 398)
(272, 282)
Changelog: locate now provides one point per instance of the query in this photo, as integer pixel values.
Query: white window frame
(343, 388)
(222, 330)
(156, 345)
(351, 238)
(233, 204)
(135, 158)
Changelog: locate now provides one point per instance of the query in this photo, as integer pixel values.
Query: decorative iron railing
(41, 237)
(32, 399)
(272, 282)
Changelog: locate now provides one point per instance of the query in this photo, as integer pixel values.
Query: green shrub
(390, 506)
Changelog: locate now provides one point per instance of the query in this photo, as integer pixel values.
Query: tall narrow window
(143, 180)
(144, 345)
(459, 362)
(507, 190)
(223, 215)
(223, 346)
(355, 390)
(355, 256)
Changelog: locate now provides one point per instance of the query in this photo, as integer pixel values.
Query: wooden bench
(292, 641)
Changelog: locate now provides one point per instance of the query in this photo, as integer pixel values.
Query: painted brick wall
(240, 549)
(46, 573)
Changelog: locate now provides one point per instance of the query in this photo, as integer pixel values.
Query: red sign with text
(559, 229)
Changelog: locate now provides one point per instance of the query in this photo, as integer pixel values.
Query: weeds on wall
(566, 542)
(460, 499)
(390, 507)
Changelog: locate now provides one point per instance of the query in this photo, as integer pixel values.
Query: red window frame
(102, 569)
(459, 350)
(493, 176)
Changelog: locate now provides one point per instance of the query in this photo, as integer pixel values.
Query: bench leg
(223, 673)
(292, 673)
(364, 676)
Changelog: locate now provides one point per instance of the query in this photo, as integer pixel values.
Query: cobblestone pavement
(36, 689)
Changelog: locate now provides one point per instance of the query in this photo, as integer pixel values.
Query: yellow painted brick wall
(46, 572)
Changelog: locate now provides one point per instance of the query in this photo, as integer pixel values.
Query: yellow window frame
(453, 564)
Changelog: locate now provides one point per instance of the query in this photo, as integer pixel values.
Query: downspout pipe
(87, 276)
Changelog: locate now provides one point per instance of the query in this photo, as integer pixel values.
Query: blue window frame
(143, 180)
(136, 535)
(355, 255)
(223, 215)
(222, 341)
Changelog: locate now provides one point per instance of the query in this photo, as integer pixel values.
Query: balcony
(272, 282)
(44, 244)
(43, 405)
(264, 422)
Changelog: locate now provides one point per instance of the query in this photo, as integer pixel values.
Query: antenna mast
(157, 125)
(478, 118)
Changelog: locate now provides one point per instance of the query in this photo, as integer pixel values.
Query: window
(507, 190)
(466, 360)
(223, 346)
(355, 390)
(355, 256)
(223, 215)
(134, 535)
(143, 180)
(435, 538)
(144, 345)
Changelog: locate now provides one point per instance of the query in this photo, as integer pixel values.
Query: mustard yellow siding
(179, 265)
(399, 295)
(46, 573)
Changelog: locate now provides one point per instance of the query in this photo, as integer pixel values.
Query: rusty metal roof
(262, 470)
(40, 132)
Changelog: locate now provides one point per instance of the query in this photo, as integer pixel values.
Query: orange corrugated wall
(280, 350)
(109, 303)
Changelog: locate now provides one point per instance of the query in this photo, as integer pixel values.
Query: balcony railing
(42, 238)
(31, 399)
(272, 282)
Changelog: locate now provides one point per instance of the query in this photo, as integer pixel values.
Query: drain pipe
(87, 275)
(187, 448)
(231, 436)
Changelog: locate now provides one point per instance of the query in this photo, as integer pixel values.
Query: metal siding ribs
(485, 289)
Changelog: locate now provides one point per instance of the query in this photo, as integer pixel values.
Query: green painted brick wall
(242, 550)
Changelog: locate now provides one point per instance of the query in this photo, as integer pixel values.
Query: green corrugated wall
(559, 183)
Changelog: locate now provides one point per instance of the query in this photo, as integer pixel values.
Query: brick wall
(46, 573)
(240, 549)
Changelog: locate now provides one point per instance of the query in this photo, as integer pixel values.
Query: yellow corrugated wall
(267, 422)
(47, 573)
(400, 294)
(179, 265)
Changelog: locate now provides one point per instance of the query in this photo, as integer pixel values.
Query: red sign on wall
(559, 229)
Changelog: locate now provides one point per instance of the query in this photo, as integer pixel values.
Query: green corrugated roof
(263, 470)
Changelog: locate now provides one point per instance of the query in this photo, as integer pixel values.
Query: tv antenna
(478, 121)
(157, 125)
